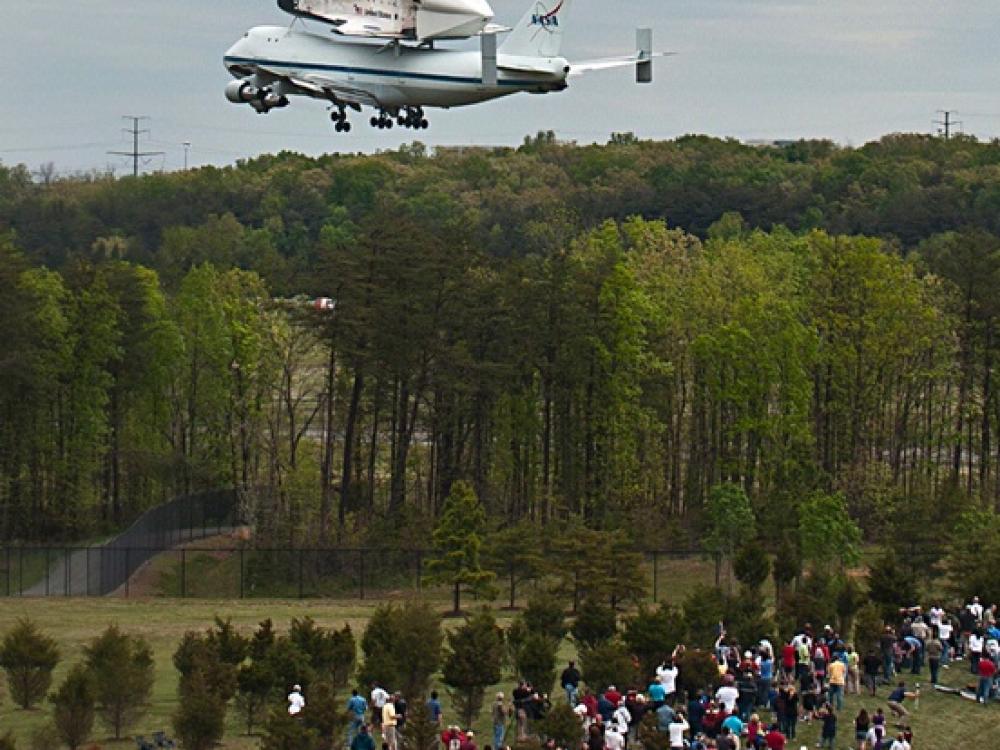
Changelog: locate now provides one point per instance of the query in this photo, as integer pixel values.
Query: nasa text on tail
(383, 54)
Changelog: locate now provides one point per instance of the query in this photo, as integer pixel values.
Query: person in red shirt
(788, 658)
(775, 740)
(612, 695)
(987, 671)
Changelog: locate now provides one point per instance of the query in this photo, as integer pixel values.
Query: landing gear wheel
(424, 124)
(375, 122)
(347, 127)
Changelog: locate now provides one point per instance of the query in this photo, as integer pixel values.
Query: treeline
(500, 319)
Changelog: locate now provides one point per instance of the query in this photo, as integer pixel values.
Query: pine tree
(457, 543)
(472, 663)
(122, 668)
(200, 720)
(73, 707)
(28, 656)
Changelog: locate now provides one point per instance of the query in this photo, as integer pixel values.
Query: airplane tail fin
(540, 32)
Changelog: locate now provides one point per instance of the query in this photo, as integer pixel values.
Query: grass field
(941, 722)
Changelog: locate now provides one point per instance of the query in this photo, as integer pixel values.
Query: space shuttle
(414, 20)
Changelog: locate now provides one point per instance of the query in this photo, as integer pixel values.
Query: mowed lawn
(940, 722)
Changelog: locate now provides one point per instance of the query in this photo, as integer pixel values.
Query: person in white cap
(296, 701)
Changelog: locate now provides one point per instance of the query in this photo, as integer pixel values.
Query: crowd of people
(764, 694)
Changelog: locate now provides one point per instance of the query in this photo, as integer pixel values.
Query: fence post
(8, 571)
(301, 562)
(361, 571)
(656, 570)
(66, 566)
(242, 547)
(88, 571)
(183, 572)
(128, 572)
(20, 570)
(47, 571)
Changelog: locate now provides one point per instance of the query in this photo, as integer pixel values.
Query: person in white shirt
(726, 696)
(379, 697)
(976, 608)
(900, 743)
(666, 674)
(677, 729)
(621, 718)
(936, 614)
(296, 701)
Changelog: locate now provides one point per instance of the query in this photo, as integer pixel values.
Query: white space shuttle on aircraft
(419, 20)
(382, 55)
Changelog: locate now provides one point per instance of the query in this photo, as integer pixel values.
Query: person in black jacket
(570, 680)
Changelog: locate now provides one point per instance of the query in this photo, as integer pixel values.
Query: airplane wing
(607, 63)
(325, 88)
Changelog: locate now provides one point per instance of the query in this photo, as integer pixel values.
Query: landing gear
(340, 123)
(413, 117)
(383, 121)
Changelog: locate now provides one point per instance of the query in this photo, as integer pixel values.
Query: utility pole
(187, 147)
(947, 124)
(135, 153)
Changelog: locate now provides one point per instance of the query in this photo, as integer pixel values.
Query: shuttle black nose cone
(289, 6)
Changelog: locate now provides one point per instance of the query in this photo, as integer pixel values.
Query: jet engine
(242, 92)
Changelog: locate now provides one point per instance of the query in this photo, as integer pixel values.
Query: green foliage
(815, 601)
(7, 742)
(829, 536)
(227, 642)
(868, 628)
(697, 670)
(535, 661)
(28, 656)
(122, 669)
(752, 566)
(973, 554)
(255, 689)
(650, 735)
(513, 553)
(595, 624)
(199, 653)
(562, 725)
(652, 634)
(421, 732)
(545, 615)
(457, 543)
(200, 718)
(284, 732)
(402, 647)
(331, 653)
(728, 518)
(473, 660)
(73, 707)
(609, 663)
(325, 715)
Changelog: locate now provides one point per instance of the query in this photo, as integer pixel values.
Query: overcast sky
(850, 70)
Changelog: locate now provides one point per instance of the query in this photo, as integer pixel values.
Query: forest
(602, 333)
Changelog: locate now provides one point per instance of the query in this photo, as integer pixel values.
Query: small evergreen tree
(728, 516)
(227, 642)
(421, 732)
(122, 668)
(325, 715)
(7, 742)
(197, 653)
(472, 663)
(562, 725)
(697, 670)
(28, 656)
(752, 567)
(546, 615)
(650, 736)
(200, 719)
(73, 707)
(891, 585)
(284, 732)
(535, 661)
(255, 688)
(331, 653)
(609, 663)
(652, 634)
(457, 543)
(402, 647)
(512, 553)
(595, 624)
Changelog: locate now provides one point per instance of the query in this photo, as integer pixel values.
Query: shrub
(331, 653)
(535, 661)
(697, 670)
(73, 707)
(200, 720)
(7, 742)
(122, 668)
(473, 663)
(752, 566)
(28, 657)
(325, 715)
(595, 624)
(562, 725)
(197, 653)
(255, 687)
(546, 615)
(609, 664)
(650, 735)
(284, 732)
(44, 737)
(402, 648)
(421, 732)
(230, 646)
(652, 635)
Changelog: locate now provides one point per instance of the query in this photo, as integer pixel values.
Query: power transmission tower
(947, 124)
(135, 153)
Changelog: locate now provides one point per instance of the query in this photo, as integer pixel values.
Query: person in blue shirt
(734, 725)
(657, 694)
(363, 740)
(356, 708)
(434, 708)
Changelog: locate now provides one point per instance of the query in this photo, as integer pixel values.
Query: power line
(135, 153)
(947, 123)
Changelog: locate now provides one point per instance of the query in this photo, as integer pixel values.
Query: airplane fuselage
(396, 75)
